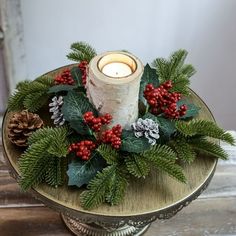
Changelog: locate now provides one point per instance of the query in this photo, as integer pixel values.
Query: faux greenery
(81, 51)
(106, 174)
(30, 95)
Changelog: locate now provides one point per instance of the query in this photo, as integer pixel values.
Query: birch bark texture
(116, 96)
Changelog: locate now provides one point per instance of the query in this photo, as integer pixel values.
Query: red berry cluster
(95, 123)
(83, 67)
(161, 100)
(64, 78)
(113, 136)
(83, 149)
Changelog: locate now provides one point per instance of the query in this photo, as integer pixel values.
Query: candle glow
(117, 69)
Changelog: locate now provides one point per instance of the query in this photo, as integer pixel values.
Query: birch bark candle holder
(113, 85)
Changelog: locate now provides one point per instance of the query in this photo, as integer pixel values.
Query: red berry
(83, 149)
(162, 100)
(83, 67)
(64, 78)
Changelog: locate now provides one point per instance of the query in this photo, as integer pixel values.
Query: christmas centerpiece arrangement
(107, 119)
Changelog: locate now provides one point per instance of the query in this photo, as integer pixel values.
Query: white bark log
(116, 96)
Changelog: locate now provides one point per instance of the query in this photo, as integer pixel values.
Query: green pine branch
(55, 173)
(47, 145)
(117, 187)
(175, 70)
(209, 148)
(137, 165)
(109, 185)
(81, 51)
(97, 187)
(109, 154)
(183, 149)
(30, 95)
(164, 158)
(204, 128)
(33, 165)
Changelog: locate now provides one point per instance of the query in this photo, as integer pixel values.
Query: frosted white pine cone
(55, 109)
(147, 128)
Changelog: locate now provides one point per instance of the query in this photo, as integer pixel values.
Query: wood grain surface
(213, 214)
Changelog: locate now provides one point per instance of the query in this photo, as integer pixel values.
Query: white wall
(151, 28)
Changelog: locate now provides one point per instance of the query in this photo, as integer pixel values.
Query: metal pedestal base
(81, 229)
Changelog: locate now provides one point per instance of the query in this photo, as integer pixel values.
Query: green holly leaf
(61, 88)
(192, 109)
(130, 143)
(166, 126)
(77, 75)
(81, 172)
(80, 127)
(75, 105)
(149, 76)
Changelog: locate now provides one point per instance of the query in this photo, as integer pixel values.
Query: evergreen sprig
(175, 70)
(137, 165)
(183, 149)
(108, 185)
(81, 51)
(55, 173)
(30, 95)
(204, 146)
(204, 128)
(109, 154)
(164, 158)
(45, 158)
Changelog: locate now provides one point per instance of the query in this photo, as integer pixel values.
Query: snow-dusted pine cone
(55, 108)
(147, 128)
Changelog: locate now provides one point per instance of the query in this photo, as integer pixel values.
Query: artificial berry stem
(64, 78)
(161, 100)
(113, 136)
(95, 123)
(83, 67)
(83, 149)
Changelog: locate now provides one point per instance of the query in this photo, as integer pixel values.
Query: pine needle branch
(33, 164)
(137, 165)
(109, 154)
(30, 95)
(55, 174)
(117, 187)
(44, 158)
(206, 147)
(97, 188)
(163, 158)
(175, 70)
(205, 128)
(81, 51)
(183, 149)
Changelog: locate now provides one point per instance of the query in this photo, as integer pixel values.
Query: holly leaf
(166, 126)
(81, 172)
(75, 105)
(61, 88)
(192, 109)
(80, 127)
(149, 76)
(130, 143)
(77, 75)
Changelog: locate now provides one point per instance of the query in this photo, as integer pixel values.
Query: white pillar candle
(113, 86)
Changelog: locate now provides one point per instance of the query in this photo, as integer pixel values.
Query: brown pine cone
(22, 125)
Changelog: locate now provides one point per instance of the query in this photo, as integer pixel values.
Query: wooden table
(214, 213)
